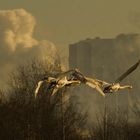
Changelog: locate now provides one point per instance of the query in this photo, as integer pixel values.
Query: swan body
(64, 82)
(93, 83)
(116, 86)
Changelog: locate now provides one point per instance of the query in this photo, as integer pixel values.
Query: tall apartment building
(106, 59)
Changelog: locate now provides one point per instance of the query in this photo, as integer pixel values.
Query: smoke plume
(17, 44)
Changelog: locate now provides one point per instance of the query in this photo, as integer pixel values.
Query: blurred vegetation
(113, 125)
(45, 118)
(22, 117)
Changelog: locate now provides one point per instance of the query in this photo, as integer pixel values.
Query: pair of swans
(75, 77)
(56, 83)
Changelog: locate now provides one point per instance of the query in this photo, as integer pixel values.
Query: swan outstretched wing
(130, 70)
(38, 87)
(93, 84)
(100, 90)
(55, 89)
(73, 73)
(65, 83)
(102, 83)
(90, 80)
(63, 74)
(73, 82)
(95, 87)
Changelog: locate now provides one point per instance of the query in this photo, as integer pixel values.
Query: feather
(38, 87)
(130, 70)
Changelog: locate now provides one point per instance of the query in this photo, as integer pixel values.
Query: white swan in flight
(64, 82)
(93, 83)
(56, 83)
(47, 80)
(116, 85)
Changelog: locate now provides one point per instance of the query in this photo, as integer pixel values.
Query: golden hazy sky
(68, 21)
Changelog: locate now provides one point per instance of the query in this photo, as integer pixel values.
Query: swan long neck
(126, 86)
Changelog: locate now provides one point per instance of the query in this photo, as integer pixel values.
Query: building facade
(106, 59)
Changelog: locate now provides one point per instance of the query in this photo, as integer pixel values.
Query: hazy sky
(68, 21)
